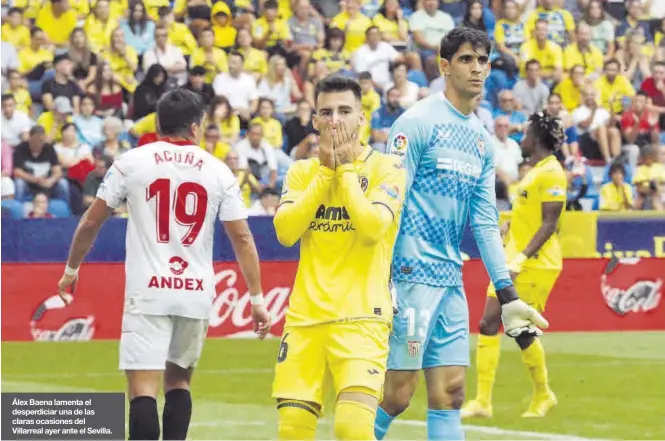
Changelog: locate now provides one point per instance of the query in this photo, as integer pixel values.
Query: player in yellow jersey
(534, 254)
(344, 208)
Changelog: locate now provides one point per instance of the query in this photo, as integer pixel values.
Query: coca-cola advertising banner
(590, 295)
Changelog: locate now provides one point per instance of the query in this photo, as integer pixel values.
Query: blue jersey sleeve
(407, 141)
(485, 224)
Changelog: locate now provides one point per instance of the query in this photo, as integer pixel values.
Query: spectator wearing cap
(255, 60)
(57, 20)
(15, 124)
(632, 22)
(375, 57)
(583, 53)
(570, 89)
(196, 83)
(548, 53)
(138, 29)
(99, 25)
(267, 203)
(61, 85)
(14, 31)
(36, 168)
(167, 55)
(222, 25)
(179, 34)
(34, 61)
(53, 120)
(599, 138)
(560, 22)
(354, 24)
(428, 26)
(518, 120)
(614, 87)
(211, 58)
(307, 31)
(383, 119)
(531, 92)
(238, 87)
(616, 195)
(123, 59)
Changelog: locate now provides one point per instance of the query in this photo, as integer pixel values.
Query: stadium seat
(59, 208)
(12, 208)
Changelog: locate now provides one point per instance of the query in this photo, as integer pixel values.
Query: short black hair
(34, 31)
(617, 166)
(451, 43)
(549, 130)
(338, 83)
(236, 54)
(37, 130)
(371, 28)
(612, 61)
(642, 93)
(270, 4)
(364, 76)
(67, 125)
(177, 110)
(531, 62)
(14, 10)
(7, 97)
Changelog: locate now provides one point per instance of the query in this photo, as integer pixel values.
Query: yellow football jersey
(346, 221)
(545, 182)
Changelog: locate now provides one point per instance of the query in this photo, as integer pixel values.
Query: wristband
(506, 295)
(69, 271)
(256, 299)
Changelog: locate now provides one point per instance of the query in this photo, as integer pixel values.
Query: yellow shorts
(354, 353)
(533, 286)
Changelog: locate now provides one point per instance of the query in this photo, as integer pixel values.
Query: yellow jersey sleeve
(568, 20)
(301, 196)
(499, 33)
(553, 186)
(641, 175)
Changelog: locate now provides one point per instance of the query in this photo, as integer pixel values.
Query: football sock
(382, 423)
(487, 360)
(534, 359)
(177, 414)
(143, 418)
(444, 425)
(297, 420)
(353, 421)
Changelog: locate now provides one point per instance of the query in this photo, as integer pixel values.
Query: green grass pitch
(609, 385)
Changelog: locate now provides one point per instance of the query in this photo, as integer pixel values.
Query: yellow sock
(354, 421)
(534, 359)
(487, 360)
(297, 420)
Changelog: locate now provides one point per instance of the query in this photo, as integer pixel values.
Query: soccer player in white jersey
(449, 160)
(174, 191)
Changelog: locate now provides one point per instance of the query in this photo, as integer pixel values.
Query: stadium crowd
(81, 79)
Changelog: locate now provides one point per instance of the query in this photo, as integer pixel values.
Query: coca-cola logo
(230, 305)
(643, 296)
(52, 321)
(78, 329)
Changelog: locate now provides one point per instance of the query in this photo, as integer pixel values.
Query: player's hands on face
(326, 148)
(262, 320)
(343, 140)
(521, 319)
(65, 283)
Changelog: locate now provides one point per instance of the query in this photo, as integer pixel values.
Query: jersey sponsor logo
(399, 145)
(332, 213)
(332, 220)
(458, 166)
(391, 190)
(177, 265)
(184, 283)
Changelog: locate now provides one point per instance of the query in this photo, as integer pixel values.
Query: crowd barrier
(587, 296)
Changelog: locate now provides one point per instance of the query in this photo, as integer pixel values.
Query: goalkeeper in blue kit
(450, 165)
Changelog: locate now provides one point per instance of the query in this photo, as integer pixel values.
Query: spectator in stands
(602, 29)
(196, 83)
(279, 86)
(409, 92)
(36, 168)
(221, 114)
(570, 147)
(11, 208)
(518, 120)
(151, 89)
(90, 126)
(614, 87)
(370, 101)
(34, 61)
(649, 179)
(95, 179)
(213, 144)
(211, 58)
(123, 60)
(99, 25)
(354, 24)
(179, 34)
(58, 21)
(53, 121)
(654, 87)
(616, 195)
(167, 55)
(255, 60)
(508, 152)
(17, 87)
(635, 59)
(333, 53)
(300, 132)
(392, 24)
(307, 31)
(84, 61)
(599, 138)
(15, 124)
(639, 127)
(267, 203)
(522, 170)
(272, 128)
(484, 115)
(583, 53)
(248, 183)
(560, 23)
(62, 84)
(375, 57)
(138, 29)
(633, 21)
(14, 30)
(9, 61)
(428, 26)
(473, 18)
(570, 89)
(548, 54)
(531, 92)
(239, 87)
(257, 156)
(70, 150)
(319, 71)
(509, 36)
(40, 207)
(383, 119)
(107, 91)
(112, 146)
(271, 32)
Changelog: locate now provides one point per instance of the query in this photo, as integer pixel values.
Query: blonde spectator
(256, 60)
(167, 55)
(584, 53)
(272, 128)
(602, 29)
(408, 90)
(570, 89)
(279, 86)
(353, 23)
(613, 88)
(21, 94)
(393, 26)
(84, 60)
(333, 53)
(221, 114)
(546, 52)
(112, 145)
(179, 34)
(14, 31)
(561, 24)
(53, 121)
(139, 31)
(211, 58)
(649, 179)
(616, 195)
(635, 59)
(123, 60)
(107, 91)
(58, 21)
(222, 25)
(99, 25)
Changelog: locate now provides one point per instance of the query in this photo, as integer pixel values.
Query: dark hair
(371, 28)
(212, 127)
(334, 33)
(177, 110)
(364, 76)
(659, 63)
(14, 10)
(137, 26)
(549, 130)
(642, 93)
(466, 22)
(394, 66)
(87, 96)
(34, 31)
(7, 97)
(647, 150)
(451, 43)
(554, 95)
(67, 125)
(617, 166)
(37, 130)
(266, 100)
(531, 62)
(236, 54)
(270, 4)
(337, 83)
(612, 61)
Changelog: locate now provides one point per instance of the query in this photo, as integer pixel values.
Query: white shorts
(149, 341)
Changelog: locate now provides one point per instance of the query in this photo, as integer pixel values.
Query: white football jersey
(174, 194)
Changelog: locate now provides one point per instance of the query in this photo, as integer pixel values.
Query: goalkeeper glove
(515, 266)
(519, 318)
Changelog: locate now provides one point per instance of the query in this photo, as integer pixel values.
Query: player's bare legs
(178, 401)
(445, 396)
(142, 390)
(398, 391)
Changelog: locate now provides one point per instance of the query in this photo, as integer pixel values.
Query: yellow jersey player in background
(344, 207)
(535, 262)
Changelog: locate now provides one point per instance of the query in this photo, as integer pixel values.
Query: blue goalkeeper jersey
(449, 159)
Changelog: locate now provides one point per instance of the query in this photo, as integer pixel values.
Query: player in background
(344, 208)
(174, 192)
(450, 165)
(535, 262)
